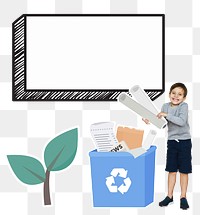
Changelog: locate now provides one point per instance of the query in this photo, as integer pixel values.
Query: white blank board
(92, 57)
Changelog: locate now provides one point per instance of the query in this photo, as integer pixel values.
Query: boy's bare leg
(184, 184)
(171, 183)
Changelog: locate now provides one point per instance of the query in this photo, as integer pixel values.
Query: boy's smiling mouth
(175, 100)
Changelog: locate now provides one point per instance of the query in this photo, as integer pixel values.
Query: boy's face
(177, 96)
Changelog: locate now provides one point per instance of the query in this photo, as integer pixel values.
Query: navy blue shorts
(179, 156)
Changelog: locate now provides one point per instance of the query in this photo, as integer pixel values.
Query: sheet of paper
(120, 147)
(137, 152)
(103, 136)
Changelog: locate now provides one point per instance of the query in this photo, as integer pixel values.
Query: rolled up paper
(149, 139)
(141, 110)
(142, 98)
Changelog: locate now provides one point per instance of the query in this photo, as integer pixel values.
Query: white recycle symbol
(110, 181)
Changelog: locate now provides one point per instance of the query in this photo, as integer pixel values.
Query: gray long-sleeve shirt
(177, 117)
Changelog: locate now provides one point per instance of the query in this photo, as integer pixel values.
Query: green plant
(58, 154)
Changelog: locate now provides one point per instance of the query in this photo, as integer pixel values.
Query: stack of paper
(103, 136)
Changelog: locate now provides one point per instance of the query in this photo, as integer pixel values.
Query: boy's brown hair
(181, 85)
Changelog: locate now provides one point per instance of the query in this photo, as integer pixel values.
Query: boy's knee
(172, 173)
(183, 174)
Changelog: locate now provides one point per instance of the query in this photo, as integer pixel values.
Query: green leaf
(28, 169)
(60, 151)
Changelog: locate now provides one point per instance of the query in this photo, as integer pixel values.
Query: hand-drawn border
(20, 91)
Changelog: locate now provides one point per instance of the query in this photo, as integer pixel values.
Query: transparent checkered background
(26, 127)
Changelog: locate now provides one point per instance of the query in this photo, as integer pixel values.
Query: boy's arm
(163, 112)
(182, 118)
(159, 115)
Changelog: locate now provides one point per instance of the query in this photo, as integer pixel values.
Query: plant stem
(47, 198)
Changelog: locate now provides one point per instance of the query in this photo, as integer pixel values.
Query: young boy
(179, 142)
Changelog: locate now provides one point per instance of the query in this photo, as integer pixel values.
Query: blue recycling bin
(120, 180)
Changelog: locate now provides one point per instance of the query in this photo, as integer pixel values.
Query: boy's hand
(146, 121)
(161, 114)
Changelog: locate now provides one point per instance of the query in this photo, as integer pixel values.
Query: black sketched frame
(19, 70)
